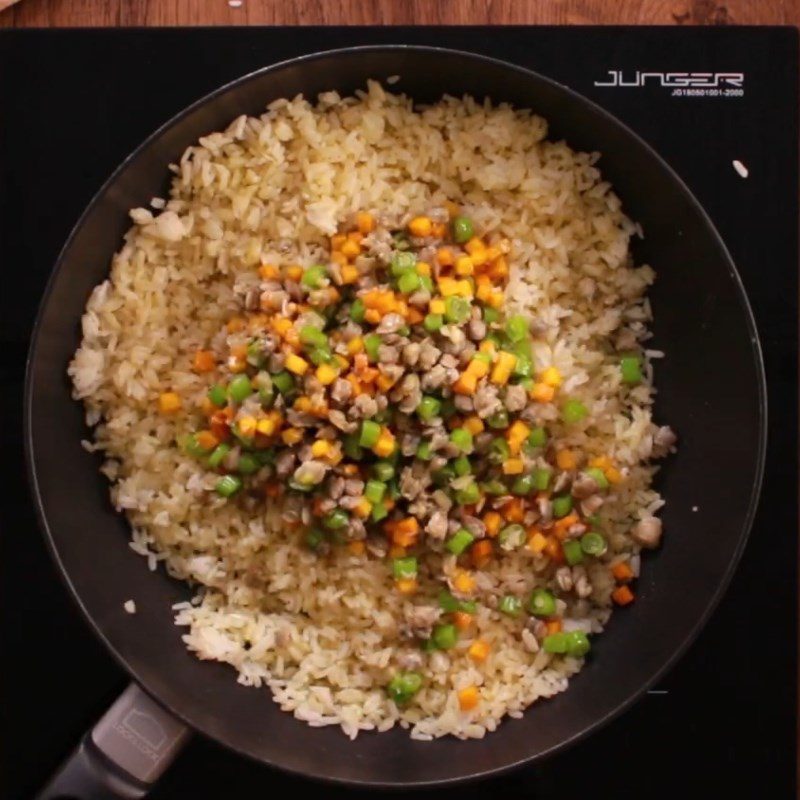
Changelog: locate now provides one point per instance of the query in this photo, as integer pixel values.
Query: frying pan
(710, 388)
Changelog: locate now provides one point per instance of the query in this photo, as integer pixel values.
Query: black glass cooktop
(719, 104)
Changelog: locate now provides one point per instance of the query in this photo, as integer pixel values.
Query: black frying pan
(711, 389)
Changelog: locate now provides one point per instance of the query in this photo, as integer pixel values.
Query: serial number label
(707, 92)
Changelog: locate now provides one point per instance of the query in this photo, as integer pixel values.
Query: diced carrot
(566, 459)
(468, 698)
(462, 620)
(207, 407)
(466, 384)
(501, 371)
(439, 230)
(273, 489)
(396, 551)
(536, 541)
(492, 520)
(350, 249)
(203, 361)
(499, 270)
(622, 595)
(385, 382)
(463, 582)
(269, 272)
(363, 508)
(414, 316)
(423, 268)
(553, 626)
(349, 274)
(622, 571)
(169, 403)
(474, 424)
(561, 526)
(219, 426)
(479, 650)
(420, 226)
(404, 532)
(207, 440)
(613, 475)
(516, 436)
(601, 462)
(372, 315)
(406, 585)
(235, 324)
(337, 240)
(513, 466)
(365, 222)
(513, 510)
(356, 547)
(542, 393)
(553, 550)
(481, 553)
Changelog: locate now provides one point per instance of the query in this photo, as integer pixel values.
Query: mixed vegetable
(396, 408)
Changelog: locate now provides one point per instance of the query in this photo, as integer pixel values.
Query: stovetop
(74, 103)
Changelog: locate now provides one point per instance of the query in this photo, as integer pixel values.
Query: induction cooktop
(720, 104)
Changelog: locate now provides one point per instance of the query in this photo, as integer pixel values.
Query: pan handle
(123, 755)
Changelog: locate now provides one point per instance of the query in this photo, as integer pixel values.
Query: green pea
(555, 643)
(445, 636)
(314, 537)
(498, 420)
(462, 439)
(433, 322)
(404, 567)
(218, 395)
(598, 476)
(429, 407)
(352, 448)
(424, 451)
(573, 553)
(542, 603)
(313, 276)
(523, 485)
(402, 263)
(379, 512)
(459, 541)
(228, 485)
(240, 388)
(490, 315)
(462, 466)
(593, 544)
(335, 520)
(463, 229)
(218, 455)
(283, 382)
(536, 438)
(578, 644)
(631, 368)
(371, 345)
(562, 505)
(541, 478)
(374, 491)
(516, 328)
(499, 451)
(510, 605)
(383, 470)
(248, 464)
(313, 336)
(456, 309)
(469, 494)
(370, 432)
(573, 411)
(357, 310)
(403, 686)
(409, 282)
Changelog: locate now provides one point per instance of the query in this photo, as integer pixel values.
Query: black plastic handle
(125, 753)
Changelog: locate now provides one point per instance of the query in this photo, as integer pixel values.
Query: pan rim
(762, 422)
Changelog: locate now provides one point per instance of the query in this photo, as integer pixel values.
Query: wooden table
(61, 13)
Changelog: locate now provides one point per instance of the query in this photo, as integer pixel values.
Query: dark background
(73, 104)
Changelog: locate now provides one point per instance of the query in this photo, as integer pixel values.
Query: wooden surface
(62, 13)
